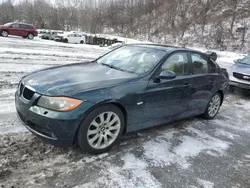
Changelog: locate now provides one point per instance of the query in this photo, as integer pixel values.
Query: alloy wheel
(4, 33)
(30, 36)
(103, 130)
(214, 105)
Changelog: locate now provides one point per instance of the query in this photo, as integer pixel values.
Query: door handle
(211, 81)
(186, 85)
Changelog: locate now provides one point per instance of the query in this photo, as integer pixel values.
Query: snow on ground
(188, 153)
(205, 184)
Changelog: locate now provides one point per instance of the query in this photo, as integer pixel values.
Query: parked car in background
(73, 38)
(128, 89)
(49, 34)
(18, 29)
(43, 34)
(55, 33)
(59, 38)
(239, 73)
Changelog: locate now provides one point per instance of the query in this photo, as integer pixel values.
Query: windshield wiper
(113, 67)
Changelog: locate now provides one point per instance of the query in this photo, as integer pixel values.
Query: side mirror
(11, 26)
(237, 61)
(167, 75)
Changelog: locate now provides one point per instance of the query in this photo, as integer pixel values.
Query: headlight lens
(61, 104)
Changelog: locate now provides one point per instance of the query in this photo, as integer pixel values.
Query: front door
(71, 38)
(167, 100)
(14, 29)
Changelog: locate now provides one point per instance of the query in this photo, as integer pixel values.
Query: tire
(4, 33)
(30, 36)
(65, 40)
(213, 106)
(81, 42)
(93, 131)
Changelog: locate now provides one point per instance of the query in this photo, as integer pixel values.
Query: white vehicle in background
(49, 34)
(73, 38)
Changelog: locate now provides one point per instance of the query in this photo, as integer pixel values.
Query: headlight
(61, 104)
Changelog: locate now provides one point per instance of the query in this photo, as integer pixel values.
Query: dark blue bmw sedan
(131, 88)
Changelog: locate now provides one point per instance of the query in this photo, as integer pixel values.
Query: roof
(21, 23)
(158, 46)
(163, 47)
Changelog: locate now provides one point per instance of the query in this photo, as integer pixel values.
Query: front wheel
(101, 129)
(4, 33)
(213, 106)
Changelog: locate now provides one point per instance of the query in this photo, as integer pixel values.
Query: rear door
(24, 30)
(204, 77)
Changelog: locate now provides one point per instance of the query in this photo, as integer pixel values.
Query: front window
(133, 59)
(178, 63)
(246, 60)
(8, 24)
(15, 25)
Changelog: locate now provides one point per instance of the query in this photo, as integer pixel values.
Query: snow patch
(131, 162)
(163, 153)
(7, 93)
(12, 129)
(159, 154)
(132, 174)
(169, 135)
(7, 106)
(205, 184)
(7, 67)
(222, 132)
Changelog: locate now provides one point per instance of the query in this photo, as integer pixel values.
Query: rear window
(201, 64)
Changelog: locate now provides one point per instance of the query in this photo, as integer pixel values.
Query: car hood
(75, 78)
(2, 26)
(241, 68)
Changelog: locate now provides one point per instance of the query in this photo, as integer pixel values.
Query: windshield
(246, 60)
(8, 24)
(133, 59)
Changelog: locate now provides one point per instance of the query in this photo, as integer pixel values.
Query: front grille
(241, 76)
(28, 94)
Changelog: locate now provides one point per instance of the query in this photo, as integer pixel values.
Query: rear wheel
(4, 33)
(213, 106)
(65, 40)
(30, 36)
(101, 129)
(81, 42)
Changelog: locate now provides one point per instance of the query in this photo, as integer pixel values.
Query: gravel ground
(189, 153)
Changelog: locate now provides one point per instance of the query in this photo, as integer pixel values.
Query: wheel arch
(222, 96)
(103, 103)
(3, 30)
